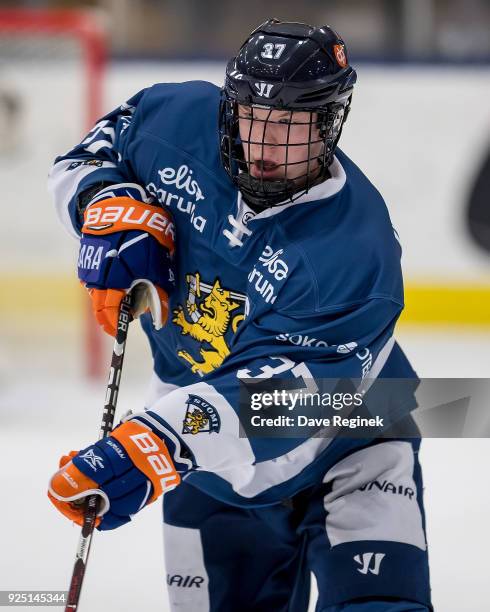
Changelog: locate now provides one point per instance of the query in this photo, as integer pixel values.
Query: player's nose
(263, 143)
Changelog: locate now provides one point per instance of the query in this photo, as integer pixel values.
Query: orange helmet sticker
(339, 52)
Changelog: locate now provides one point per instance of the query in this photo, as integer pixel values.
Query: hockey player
(286, 266)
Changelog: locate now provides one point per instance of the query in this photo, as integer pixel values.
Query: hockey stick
(92, 502)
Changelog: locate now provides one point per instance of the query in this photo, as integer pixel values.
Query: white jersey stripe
(63, 185)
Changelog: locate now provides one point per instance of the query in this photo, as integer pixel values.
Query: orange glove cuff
(150, 455)
(123, 214)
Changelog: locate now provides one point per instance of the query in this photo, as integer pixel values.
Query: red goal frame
(87, 30)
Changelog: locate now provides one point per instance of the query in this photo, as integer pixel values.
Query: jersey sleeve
(219, 454)
(98, 161)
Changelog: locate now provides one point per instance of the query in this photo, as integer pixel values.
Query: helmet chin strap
(261, 194)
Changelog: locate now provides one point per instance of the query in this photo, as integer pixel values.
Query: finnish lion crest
(211, 313)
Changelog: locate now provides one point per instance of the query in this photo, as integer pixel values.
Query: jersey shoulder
(346, 246)
(366, 225)
(183, 116)
(182, 95)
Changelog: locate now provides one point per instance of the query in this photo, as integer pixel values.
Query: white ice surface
(40, 417)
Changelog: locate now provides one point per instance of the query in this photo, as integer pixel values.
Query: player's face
(280, 144)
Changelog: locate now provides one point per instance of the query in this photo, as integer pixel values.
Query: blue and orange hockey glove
(126, 243)
(129, 469)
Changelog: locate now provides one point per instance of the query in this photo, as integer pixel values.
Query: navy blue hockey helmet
(294, 68)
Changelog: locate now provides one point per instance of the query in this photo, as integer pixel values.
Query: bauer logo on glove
(126, 243)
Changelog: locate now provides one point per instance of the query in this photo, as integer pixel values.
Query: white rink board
(418, 133)
(51, 118)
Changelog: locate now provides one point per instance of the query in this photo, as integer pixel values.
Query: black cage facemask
(278, 155)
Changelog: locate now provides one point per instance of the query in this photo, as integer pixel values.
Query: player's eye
(286, 119)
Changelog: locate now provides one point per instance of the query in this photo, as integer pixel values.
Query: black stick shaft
(92, 502)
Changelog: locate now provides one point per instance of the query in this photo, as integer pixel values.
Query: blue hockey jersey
(310, 289)
(302, 291)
